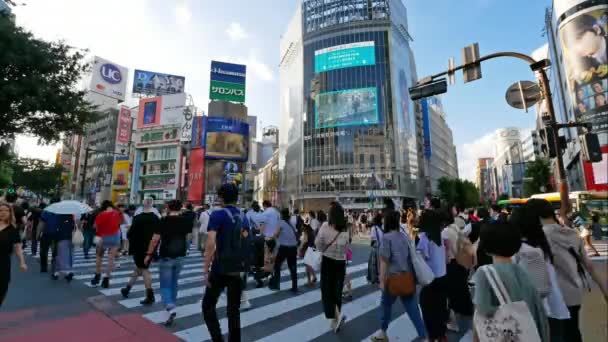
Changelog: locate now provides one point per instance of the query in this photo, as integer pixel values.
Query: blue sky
(182, 36)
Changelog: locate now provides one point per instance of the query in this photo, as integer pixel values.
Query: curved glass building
(347, 122)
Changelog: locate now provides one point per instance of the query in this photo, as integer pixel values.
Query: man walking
(226, 252)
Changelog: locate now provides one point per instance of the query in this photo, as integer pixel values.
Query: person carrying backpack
(225, 260)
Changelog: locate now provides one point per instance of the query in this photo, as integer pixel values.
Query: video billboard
(220, 172)
(346, 108)
(345, 56)
(155, 83)
(227, 82)
(161, 111)
(583, 40)
(120, 174)
(108, 78)
(226, 139)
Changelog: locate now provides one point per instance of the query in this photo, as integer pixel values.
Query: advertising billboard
(186, 130)
(220, 172)
(196, 176)
(120, 174)
(161, 111)
(227, 82)
(584, 42)
(226, 139)
(345, 56)
(160, 137)
(346, 108)
(198, 132)
(155, 83)
(108, 78)
(123, 130)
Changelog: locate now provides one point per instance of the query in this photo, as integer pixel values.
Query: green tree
(38, 86)
(503, 197)
(458, 191)
(538, 177)
(6, 165)
(37, 175)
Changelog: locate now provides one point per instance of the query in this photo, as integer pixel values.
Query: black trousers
(5, 278)
(47, 243)
(572, 332)
(434, 305)
(459, 297)
(34, 240)
(332, 281)
(291, 254)
(234, 285)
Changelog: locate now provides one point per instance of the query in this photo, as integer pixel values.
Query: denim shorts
(111, 241)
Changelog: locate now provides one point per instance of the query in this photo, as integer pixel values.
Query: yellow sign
(120, 175)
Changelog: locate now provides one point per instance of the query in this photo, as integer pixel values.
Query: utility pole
(429, 86)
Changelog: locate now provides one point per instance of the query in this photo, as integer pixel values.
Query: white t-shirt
(376, 234)
(203, 222)
(270, 219)
(314, 224)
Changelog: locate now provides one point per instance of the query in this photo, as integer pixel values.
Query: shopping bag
(424, 274)
(512, 321)
(77, 238)
(312, 258)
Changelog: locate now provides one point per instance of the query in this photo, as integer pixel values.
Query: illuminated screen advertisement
(220, 172)
(583, 37)
(345, 56)
(346, 108)
(226, 139)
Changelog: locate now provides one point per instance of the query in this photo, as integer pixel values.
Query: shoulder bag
(512, 321)
(423, 272)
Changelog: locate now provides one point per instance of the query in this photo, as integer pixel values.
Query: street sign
(523, 94)
(470, 54)
(429, 89)
(451, 75)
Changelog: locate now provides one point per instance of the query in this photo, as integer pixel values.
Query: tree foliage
(539, 174)
(37, 175)
(458, 191)
(38, 86)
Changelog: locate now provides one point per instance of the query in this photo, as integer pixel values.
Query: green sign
(227, 91)
(345, 56)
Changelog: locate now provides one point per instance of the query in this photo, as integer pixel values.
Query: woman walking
(332, 242)
(433, 297)
(171, 233)
(502, 241)
(107, 225)
(373, 263)
(65, 250)
(395, 259)
(10, 242)
(139, 235)
(308, 241)
(287, 238)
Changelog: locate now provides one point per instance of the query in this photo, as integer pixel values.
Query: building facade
(531, 146)
(509, 165)
(579, 83)
(483, 179)
(348, 127)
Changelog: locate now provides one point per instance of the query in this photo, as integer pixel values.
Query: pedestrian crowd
(483, 272)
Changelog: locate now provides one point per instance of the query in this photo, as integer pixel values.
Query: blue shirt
(57, 227)
(433, 254)
(221, 223)
(287, 235)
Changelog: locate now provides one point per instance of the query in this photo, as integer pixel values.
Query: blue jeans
(89, 235)
(411, 307)
(169, 275)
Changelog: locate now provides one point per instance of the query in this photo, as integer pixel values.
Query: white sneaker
(246, 305)
(117, 265)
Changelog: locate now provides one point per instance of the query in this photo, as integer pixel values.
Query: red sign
(596, 174)
(124, 126)
(196, 176)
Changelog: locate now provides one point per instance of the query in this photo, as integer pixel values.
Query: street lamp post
(419, 91)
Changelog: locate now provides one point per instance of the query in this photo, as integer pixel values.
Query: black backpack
(233, 256)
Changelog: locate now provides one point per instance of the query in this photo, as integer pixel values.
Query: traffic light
(590, 148)
(428, 89)
(547, 138)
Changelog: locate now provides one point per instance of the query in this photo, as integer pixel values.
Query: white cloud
(183, 14)
(236, 32)
(468, 154)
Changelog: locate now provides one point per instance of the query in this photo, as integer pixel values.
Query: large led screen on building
(227, 139)
(346, 108)
(345, 56)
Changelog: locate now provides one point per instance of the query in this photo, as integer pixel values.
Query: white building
(531, 146)
(509, 163)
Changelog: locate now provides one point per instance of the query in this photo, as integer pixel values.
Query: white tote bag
(312, 258)
(77, 238)
(512, 321)
(424, 274)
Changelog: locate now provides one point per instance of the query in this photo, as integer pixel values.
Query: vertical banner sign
(123, 131)
(196, 175)
(227, 82)
(186, 132)
(584, 39)
(198, 132)
(426, 128)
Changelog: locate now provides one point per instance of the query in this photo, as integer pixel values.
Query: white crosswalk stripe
(303, 312)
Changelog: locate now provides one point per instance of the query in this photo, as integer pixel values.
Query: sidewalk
(39, 309)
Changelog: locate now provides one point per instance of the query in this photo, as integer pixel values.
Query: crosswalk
(274, 315)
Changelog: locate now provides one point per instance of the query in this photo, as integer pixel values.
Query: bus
(511, 203)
